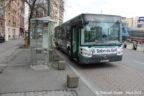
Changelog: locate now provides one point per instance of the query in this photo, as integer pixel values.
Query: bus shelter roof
(43, 19)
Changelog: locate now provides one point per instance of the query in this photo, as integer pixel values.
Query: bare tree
(31, 4)
(33, 7)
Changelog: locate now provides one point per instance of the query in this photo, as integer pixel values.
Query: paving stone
(2, 67)
(43, 93)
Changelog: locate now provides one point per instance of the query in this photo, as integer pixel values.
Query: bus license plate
(104, 61)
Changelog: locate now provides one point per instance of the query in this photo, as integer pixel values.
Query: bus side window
(67, 33)
(74, 34)
(60, 34)
(56, 33)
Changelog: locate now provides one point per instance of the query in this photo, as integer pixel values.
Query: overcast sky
(125, 8)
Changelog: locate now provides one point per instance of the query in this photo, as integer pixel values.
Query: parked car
(2, 39)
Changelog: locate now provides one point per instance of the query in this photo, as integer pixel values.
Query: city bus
(91, 38)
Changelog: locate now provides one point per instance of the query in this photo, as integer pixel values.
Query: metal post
(49, 5)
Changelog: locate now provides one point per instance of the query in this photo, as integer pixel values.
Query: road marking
(138, 62)
(92, 88)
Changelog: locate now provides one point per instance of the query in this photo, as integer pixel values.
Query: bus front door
(74, 42)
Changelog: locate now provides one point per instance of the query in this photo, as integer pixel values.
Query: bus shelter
(41, 42)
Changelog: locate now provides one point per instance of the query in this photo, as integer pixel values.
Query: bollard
(140, 48)
(72, 81)
(55, 57)
(129, 46)
(61, 65)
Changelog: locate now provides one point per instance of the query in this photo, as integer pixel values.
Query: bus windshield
(101, 33)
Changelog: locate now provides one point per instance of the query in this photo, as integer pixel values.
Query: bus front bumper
(99, 59)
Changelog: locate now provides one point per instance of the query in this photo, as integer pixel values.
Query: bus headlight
(85, 52)
(120, 51)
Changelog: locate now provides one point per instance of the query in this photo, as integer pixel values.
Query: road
(133, 59)
(125, 78)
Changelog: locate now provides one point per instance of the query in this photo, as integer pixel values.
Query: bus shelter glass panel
(41, 42)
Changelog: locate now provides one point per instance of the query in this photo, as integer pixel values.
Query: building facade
(129, 21)
(13, 18)
(2, 20)
(136, 23)
(56, 10)
(22, 17)
(140, 22)
(2, 26)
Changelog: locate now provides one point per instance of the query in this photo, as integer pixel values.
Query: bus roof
(70, 19)
(85, 14)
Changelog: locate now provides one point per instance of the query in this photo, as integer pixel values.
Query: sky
(125, 8)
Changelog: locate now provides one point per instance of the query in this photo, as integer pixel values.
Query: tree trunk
(29, 19)
(29, 26)
(29, 33)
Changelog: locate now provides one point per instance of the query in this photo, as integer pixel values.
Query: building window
(1, 28)
(9, 22)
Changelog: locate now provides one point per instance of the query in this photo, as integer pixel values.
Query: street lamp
(49, 5)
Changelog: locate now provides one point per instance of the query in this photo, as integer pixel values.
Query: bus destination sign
(104, 51)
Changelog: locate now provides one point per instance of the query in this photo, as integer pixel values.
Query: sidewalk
(18, 79)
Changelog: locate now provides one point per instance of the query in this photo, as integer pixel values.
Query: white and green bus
(91, 38)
